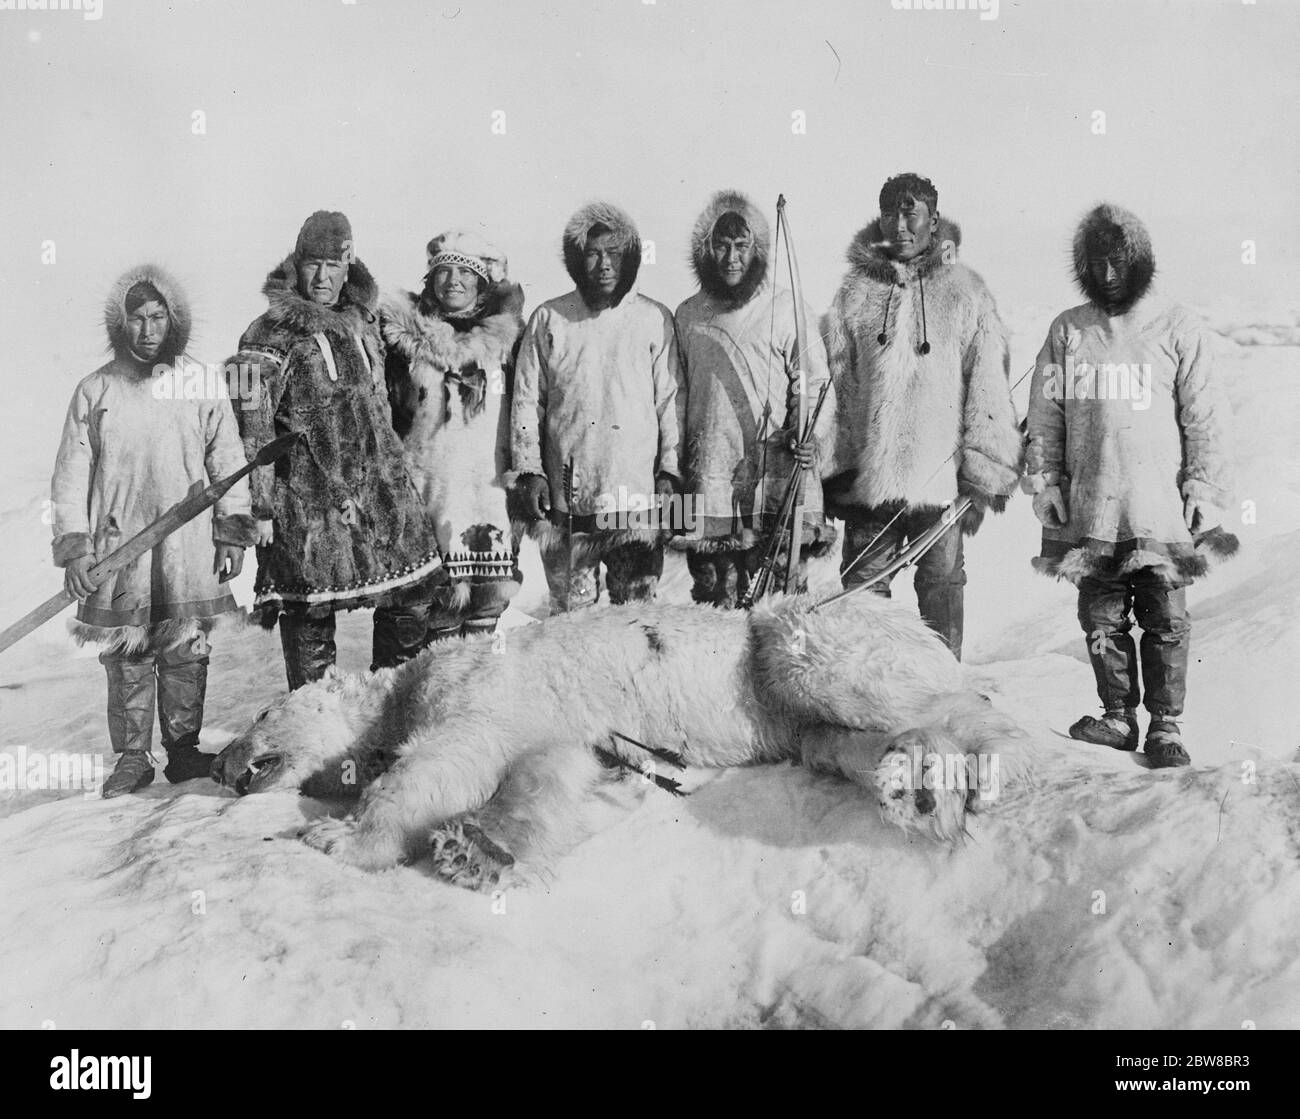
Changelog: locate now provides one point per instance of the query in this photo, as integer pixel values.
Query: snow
(1102, 895)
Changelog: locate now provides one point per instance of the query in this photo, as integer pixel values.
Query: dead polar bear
(484, 749)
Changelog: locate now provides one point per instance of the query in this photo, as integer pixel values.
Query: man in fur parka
(129, 453)
(340, 524)
(450, 367)
(596, 385)
(744, 375)
(920, 363)
(1130, 469)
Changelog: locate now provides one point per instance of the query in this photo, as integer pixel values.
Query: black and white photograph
(650, 515)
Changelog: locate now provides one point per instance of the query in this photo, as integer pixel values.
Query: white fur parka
(927, 415)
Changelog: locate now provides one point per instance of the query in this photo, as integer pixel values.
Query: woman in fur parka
(341, 525)
(450, 368)
(129, 452)
(1129, 465)
(921, 365)
(745, 367)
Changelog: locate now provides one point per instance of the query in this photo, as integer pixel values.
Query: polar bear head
(311, 735)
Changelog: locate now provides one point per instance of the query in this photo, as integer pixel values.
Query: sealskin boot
(182, 688)
(134, 770)
(131, 689)
(1116, 729)
(1164, 745)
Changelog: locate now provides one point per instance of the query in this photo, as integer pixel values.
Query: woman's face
(455, 287)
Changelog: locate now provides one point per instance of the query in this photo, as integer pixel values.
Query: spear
(199, 498)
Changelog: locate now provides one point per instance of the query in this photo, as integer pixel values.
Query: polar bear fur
(485, 749)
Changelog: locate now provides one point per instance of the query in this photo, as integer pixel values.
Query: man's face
(732, 257)
(1109, 271)
(455, 287)
(146, 329)
(908, 225)
(603, 264)
(322, 281)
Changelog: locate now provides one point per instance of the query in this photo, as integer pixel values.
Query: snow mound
(1101, 897)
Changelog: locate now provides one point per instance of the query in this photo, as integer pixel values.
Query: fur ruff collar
(419, 332)
(178, 308)
(867, 254)
(1129, 237)
(625, 233)
(289, 309)
(702, 263)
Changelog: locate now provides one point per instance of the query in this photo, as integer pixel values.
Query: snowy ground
(1104, 896)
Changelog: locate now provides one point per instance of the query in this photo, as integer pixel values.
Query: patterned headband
(450, 257)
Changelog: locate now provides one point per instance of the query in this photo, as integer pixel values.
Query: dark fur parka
(349, 527)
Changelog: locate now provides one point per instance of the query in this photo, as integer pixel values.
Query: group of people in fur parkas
(436, 429)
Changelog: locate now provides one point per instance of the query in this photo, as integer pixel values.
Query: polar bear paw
(919, 789)
(344, 840)
(465, 856)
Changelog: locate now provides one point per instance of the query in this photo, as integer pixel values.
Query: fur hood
(414, 325)
(866, 252)
(624, 229)
(1122, 231)
(178, 307)
(725, 202)
(293, 311)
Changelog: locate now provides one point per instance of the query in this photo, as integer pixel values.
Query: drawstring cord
(883, 337)
(925, 337)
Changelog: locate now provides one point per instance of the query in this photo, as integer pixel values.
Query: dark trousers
(940, 578)
(308, 645)
(1160, 608)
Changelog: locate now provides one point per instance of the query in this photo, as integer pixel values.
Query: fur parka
(1127, 417)
(744, 370)
(128, 453)
(927, 415)
(600, 387)
(349, 527)
(449, 383)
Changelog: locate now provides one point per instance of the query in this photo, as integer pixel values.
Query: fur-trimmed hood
(1115, 230)
(624, 229)
(414, 325)
(292, 310)
(866, 252)
(702, 263)
(178, 307)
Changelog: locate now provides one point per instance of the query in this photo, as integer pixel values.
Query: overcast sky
(385, 109)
